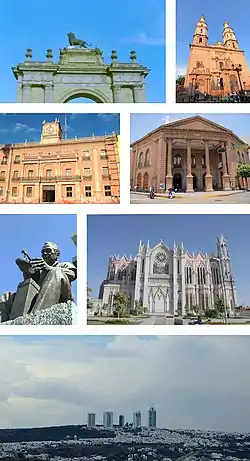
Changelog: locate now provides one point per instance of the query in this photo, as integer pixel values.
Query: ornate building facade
(219, 68)
(192, 154)
(172, 281)
(56, 170)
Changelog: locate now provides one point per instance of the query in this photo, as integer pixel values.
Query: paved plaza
(196, 197)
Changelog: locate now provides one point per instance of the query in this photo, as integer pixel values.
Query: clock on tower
(51, 132)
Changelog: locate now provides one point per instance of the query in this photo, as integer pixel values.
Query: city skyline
(91, 417)
(55, 380)
(201, 232)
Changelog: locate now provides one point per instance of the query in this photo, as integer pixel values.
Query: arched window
(147, 158)
(140, 161)
(188, 275)
(193, 160)
(200, 41)
(177, 160)
(201, 275)
(119, 275)
(133, 275)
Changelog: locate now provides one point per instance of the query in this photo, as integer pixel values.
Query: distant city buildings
(91, 420)
(108, 419)
(121, 420)
(137, 419)
(151, 417)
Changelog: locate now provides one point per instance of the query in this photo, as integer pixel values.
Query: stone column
(26, 92)
(19, 89)
(117, 94)
(154, 160)
(175, 286)
(225, 177)
(169, 177)
(139, 93)
(145, 288)
(190, 181)
(49, 93)
(208, 177)
(183, 286)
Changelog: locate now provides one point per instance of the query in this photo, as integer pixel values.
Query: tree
(243, 170)
(120, 305)
(220, 308)
(180, 80)
(89, 302)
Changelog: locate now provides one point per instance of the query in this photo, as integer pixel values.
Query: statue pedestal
(25, 294)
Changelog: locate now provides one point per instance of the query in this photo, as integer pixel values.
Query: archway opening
(177, 181)
(194, 182)
(80, 100)
(139, 181)
(159, 303)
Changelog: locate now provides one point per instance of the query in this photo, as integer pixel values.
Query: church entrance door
(159, 303)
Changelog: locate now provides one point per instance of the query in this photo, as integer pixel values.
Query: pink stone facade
(187, 155)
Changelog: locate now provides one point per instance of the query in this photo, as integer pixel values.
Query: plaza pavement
(221, 197)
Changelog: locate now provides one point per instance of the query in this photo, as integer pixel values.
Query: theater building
(192, 154)
(57, 170)
(216, 69)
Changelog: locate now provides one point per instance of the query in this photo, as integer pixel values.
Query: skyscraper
(121, 421)
(91, 419)
(108, 419)
(137, 419)
(151, 417)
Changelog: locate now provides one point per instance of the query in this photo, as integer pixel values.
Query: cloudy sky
(194, 382)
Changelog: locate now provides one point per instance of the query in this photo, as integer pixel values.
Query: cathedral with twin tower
(218, 68)
(171, 281)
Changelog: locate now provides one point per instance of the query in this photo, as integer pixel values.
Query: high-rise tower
(151, 417)
(201, 32)
(229, 38)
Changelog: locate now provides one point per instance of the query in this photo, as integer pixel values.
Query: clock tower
(51, 132)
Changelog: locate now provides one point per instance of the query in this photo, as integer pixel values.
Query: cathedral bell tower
(201, 33)
(229, 37)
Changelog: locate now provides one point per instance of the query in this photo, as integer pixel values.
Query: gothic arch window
(124, 272)
(133, 275)
(201, 275)
(112, 272)
(147, 158)
(193, 160)
(140, 161)
(119, 276)
(177, 160)
(188, 275)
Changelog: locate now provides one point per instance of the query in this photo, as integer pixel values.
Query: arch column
(139, 93)
(26, 92)
(48, 92)
(169, 177)
(190, 181)
(225, 177)
(208, 177)
(117, 94)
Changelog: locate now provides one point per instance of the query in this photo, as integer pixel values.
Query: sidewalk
(192, 195)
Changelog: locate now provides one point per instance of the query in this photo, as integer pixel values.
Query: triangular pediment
(197, 123)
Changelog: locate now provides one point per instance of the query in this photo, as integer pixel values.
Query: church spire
(201, 32)
(229, 38)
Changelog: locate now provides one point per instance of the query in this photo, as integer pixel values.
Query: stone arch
(67, 166)
(95, 95)
(145, 185)
(147, 158)
(33, 167)
(233, 83)
(201, 85)
(140, 160)
(48, 166)
(139, 181)
(159, 300)
(177, 181)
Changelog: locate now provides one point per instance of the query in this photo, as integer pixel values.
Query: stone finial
(49, 54)
(29, 53)
(133, 56)
(114, 56)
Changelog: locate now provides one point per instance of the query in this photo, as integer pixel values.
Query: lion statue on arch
(73, 41)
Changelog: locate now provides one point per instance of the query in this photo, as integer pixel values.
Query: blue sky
(215, 12)
(30, 232)
(141, 124)
(123, 26)
(198, 232)
(16, 128)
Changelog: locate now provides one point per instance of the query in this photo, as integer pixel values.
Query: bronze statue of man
(53, 277)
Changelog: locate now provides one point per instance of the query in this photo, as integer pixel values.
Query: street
(196, 197)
